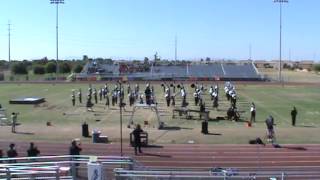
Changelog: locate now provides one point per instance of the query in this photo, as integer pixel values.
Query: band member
(216, 89)
(89, 104)
(215, 100)
(173, 100)
(73, 99)
(100, 94)
(136, 91)
(167, 96)
(128, 89)
(196, 97)
(106, 90)
(211, 92)
(147, 93)
(114, 97)
(253, 112)
(163, 87)
(95, 95)
(80, 96)
(141, 98)
(184, 97)
(90, 90)
(107, 100)
(234, 99)
(131, 98)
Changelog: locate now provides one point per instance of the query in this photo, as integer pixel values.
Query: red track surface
(197, 156)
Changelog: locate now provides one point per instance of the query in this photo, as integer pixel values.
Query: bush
(51, 67)
(78, 68)
(39, 70)
(19, 68)
(64, 68)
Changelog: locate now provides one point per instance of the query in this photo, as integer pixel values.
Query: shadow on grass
(25, 133)
(174, 128)
(306, 126)
(214, 134)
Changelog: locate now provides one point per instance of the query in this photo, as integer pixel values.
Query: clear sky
(133, 29)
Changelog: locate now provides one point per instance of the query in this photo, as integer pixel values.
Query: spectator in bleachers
(33, 150)
(12, 153)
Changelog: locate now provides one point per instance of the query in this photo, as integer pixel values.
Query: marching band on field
(135, 95)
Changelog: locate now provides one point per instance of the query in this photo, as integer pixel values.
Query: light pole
(280, 53)
(9, 47)
(57, 2)
(121, 102)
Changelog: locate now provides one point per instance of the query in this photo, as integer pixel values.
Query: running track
(291, 158)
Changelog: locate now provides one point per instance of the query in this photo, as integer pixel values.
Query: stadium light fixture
(57, 2)
(280, 38)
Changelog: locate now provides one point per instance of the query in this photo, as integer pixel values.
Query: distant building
(305, 64)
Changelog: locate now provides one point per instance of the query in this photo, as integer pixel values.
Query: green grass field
(66, 120)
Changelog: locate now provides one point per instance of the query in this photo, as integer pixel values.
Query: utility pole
(9, 41)
(57, 2)
(280, 38)
(175, 48)
(9, 44)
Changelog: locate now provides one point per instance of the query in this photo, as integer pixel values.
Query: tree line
(45, 66)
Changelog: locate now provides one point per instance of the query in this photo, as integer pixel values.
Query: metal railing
(59, 167)
(220, 173)
(122, 168)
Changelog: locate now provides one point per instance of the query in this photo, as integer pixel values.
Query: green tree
(39, 69)
(19, 68)
(51, 67)
(78, 68)
(316, 67)
(65, 68)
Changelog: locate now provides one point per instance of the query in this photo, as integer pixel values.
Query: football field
(66, 120)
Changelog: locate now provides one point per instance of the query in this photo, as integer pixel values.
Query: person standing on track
(12, 153)
(137, 139)
(33, 150)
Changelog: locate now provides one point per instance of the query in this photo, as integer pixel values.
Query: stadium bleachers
(222, 71)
